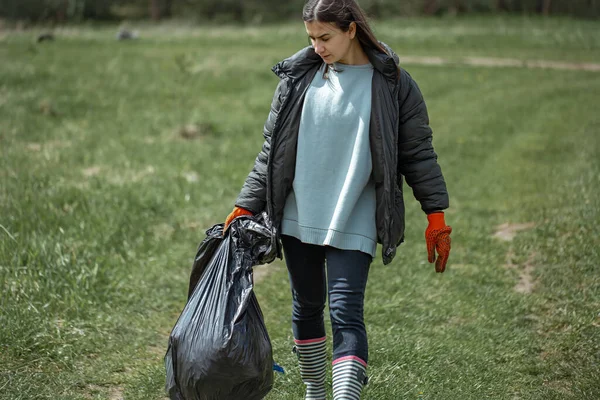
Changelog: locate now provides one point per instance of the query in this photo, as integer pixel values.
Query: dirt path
(501, 62)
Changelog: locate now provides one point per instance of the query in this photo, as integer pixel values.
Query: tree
(62, 10)
(431, 7)
(546, 7)
(160, 9)
(501, 5)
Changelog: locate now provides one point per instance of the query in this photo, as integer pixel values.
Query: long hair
(342, 13)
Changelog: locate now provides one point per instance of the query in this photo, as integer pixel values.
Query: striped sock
(349, 377)
(312, 359)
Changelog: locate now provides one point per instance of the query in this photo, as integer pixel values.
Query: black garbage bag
(219, 348)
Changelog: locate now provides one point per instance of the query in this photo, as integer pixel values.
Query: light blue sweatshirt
(332, 201)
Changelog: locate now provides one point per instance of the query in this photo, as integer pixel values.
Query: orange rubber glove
(437, 236)
(237, 211)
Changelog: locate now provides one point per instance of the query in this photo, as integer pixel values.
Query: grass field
(116, 156)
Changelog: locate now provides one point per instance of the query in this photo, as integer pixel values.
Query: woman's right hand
(237, 211)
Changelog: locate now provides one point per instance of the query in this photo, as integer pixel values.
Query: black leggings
(346, 278)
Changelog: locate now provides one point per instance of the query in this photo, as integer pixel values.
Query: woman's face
(330, 42)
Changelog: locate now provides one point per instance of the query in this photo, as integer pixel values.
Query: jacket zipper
(270, 210)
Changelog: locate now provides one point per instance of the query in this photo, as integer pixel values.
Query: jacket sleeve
(417, 160)
(253, 196)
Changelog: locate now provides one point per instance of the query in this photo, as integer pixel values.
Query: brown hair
(342, 13)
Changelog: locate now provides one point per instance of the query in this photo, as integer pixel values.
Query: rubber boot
(312, 360)
(349, 377)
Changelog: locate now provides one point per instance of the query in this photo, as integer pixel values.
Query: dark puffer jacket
(400, 141)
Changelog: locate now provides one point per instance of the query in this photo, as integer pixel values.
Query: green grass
(102, 205)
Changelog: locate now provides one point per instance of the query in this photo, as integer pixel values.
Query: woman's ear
(352, 30)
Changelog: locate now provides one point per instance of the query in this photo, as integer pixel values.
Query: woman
(346, 123)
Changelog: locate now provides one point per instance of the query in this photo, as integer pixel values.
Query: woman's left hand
(237, 211)
(437, 237)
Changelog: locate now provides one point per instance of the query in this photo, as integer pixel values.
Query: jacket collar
(296, 66)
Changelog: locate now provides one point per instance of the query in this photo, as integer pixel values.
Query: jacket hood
(297, 65)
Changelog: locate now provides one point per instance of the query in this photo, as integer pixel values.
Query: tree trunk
(501, 5)
(546, 7)
(460, 6)
(155, 10)
(168, 9)
(431, 7)
(238, 13)
(61, 11)
(457, 7)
